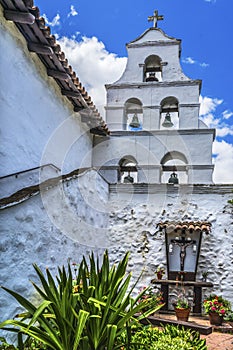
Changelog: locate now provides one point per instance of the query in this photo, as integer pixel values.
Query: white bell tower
(153, 114)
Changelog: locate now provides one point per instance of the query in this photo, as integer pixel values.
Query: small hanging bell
(151, 77)
(167, 121)
(128, 179)
(135, 122)
(173, 179)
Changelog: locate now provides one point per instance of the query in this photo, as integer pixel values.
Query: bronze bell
(128, 179)
(173, 179)
(135, 122)
(167, 121)
(152, 77)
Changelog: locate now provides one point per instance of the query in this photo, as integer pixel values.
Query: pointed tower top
(155, 18)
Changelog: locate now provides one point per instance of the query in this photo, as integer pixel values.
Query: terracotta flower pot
(182, 314)
(215, 319)
(159, 275)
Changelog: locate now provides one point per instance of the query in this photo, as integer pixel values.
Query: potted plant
(204, 275)
(182, 308)
(229, 317)
(160, 271)
(150, 297)
(216, 307)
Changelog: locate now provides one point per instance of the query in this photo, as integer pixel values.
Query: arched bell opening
(174, 169)
(133, 120)
(169, 113)
(128, 172)
(152, 69)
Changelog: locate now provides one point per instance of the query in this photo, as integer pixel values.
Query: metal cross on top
(155, 18)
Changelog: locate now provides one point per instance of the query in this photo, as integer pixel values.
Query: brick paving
(220, 341)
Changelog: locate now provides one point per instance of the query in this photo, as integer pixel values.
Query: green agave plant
(90, 316)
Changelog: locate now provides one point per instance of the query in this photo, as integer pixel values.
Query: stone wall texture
(89, 218)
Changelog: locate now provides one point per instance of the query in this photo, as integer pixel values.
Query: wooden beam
(28, 3)
(128, 168)
(69, 93)
(58, 74)
(174, 168)
(98, 131)
(95, 121)
(78, 108)
(157, 321)
(40, 48)
(19, 17)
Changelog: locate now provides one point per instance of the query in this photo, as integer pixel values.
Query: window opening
(169, 113)
(152, 69)
(133, 115)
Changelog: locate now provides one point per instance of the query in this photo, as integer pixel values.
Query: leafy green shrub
(229, 316)
(29, 344)
(89, 315)
(167, 338)
(5, 346)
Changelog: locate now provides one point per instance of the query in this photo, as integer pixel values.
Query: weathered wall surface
(37, 122)
(62, 223)
(78, 217)
(133, 225)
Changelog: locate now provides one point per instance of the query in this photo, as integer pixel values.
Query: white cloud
(190, 60)
(94, 65)
(227, 114)
(224, 131)
(208, 104)
(207, 115)
(221, 149)
(204, 65)
(72, 12)
(55, 21)
(223, 162)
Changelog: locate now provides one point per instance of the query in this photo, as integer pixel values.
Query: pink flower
(222, 311)
(213, 308)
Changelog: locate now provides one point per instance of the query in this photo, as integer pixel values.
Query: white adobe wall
(48, 229)
(87, 218)
(133, 227)
(37, 122)
(149, 149)
(151, 96)
(153, 42)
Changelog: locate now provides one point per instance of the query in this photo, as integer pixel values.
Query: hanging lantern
(173, 179)
(135, 122)
(167, 121)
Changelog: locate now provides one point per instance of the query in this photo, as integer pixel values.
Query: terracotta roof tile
(191, 226)
(27, 18)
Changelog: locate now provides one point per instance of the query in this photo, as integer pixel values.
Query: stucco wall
(150, 148)
(37, 122)
(136, 212)
(153, 42)
(49, 229)
(65, 222)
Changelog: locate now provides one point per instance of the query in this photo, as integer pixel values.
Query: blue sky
(93, 35)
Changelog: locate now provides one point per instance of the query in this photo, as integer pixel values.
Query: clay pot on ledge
(159, 275)
(182, 314)
(215, 319)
